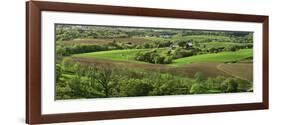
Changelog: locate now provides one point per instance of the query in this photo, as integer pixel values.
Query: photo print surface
(94, 61)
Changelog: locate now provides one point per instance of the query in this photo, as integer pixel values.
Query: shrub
(199, 76)
(58, 72)
(197, 89)
(167, 60)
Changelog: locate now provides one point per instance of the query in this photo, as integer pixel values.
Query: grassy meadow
(108, 61)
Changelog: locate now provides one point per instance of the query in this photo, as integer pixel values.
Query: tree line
(69, 32)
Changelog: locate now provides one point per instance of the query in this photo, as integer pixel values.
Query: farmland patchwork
(111, 61)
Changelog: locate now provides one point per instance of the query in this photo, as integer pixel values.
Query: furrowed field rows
(210, 64)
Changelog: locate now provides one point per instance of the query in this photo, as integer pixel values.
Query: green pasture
(119, 55)
(215, 57)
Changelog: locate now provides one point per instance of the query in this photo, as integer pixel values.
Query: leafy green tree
(67, 64)
(63, 91)
(78, 69)
(61, 50)
(77, 87)
(137, 87)
(229, 85)
(181, 43)
(80, 88)
(103, 78)
(58, 72)
(173, 87)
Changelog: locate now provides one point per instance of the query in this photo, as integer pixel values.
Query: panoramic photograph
(94, 61)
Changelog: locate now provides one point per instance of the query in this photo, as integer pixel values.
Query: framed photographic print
(94, 62)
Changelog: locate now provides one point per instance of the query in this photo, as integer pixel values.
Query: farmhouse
(188, 45)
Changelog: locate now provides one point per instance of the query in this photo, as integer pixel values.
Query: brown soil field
(207, 68)
(239, 70)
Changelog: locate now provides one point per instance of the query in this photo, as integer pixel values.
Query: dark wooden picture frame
(33, 61)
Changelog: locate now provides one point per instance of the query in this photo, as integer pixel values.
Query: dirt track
(239, 70)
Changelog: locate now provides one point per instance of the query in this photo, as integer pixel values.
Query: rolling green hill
(215, 57)
(119, 55)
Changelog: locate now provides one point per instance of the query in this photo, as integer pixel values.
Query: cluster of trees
(216, 33)
(70, 32)
(75, 80)
(155, 56)
(180, 52)
(62, 50)
(66, 50)
(230, 47)
(166, 56)
(163, 56)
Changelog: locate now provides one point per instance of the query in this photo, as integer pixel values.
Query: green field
(119, 55)
(217, 57)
